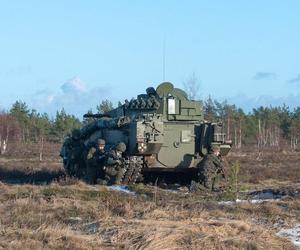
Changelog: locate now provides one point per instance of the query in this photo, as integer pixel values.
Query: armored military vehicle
(165, 134)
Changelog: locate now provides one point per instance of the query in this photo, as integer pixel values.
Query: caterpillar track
(133, 171)
(130, 172)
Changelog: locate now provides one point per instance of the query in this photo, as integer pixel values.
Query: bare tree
(9, 130)
(192, 86)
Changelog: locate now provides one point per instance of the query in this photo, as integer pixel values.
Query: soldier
(65, 152)
(114, 167)
(95, 162)
(76, 159)
(211, 169)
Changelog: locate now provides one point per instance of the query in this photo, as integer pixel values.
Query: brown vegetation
(84, 217)
(269, 164)
(68, 214)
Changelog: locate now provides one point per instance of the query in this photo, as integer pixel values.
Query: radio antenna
(164, 59)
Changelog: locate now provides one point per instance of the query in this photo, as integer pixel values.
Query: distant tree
(250, 129)
(272, 124)
(40, 128)
(105, 106)
(295, 128)
(284, 119)
(210, 111)
(64, 124)
(39, 125)
(9, 130)
(233, 121)
(20, 111)
(230, 112)
(192, 86)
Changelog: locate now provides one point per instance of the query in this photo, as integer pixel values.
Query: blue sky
(73, 54)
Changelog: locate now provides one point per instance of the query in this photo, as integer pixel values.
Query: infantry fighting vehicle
(165, 134)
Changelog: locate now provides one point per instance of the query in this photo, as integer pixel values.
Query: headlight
(142, 147)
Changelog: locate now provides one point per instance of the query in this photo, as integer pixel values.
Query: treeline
(263, 127)
(22, 124)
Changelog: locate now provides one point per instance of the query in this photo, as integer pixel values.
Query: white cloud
(74, 96)
(74, 85)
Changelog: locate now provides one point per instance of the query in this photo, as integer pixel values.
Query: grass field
(39, 212)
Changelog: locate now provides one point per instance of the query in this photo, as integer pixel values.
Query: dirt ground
(40, 209)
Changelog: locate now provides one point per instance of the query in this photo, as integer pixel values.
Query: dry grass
(22, 164)
(69, 214)
(279, 165)
(84, 217)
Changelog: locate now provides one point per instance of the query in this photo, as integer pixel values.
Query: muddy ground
(40, 209)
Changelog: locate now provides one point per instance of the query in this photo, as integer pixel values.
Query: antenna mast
(164, 59)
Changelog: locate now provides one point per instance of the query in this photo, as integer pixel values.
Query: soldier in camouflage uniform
(114, 167)
(95, 162)
(77, 161)
(72, 153)
(211, 169)
(65, 153)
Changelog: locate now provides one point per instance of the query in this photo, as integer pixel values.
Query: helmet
(100, 142)
(76, 134)
(215, 147)
(121, 147)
